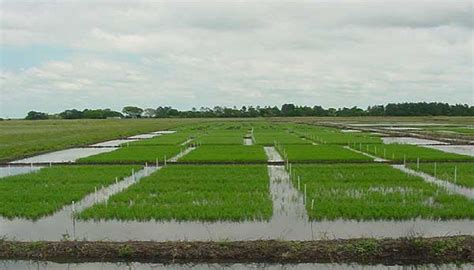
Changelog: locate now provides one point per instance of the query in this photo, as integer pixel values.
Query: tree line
(391, 109)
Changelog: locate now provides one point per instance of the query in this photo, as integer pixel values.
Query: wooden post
(304, 194)
(455, 174)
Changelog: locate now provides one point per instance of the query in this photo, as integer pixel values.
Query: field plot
(226, 153)
(400, 152)
(280, 136)
(446, 171)
(135, 154)
(167, 139)
(335, 136)
(222, 137)
(41, 193)
(375, 191)
(207, 193)
(320, 153)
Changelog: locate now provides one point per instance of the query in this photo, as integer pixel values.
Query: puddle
(272, 154)
(248, 141)
(15, 170)
(41, 265)
(113, 143)
(187, 141)
(401, 128)
(410, 140)
(467, 150)
(68, 155)
(181, 154)
(145, 136)
(450, 187)
(376, 159)
(164, 132)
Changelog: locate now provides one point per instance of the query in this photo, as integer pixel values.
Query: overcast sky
(57, 55)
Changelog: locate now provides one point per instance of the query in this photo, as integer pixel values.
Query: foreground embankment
(456, 249)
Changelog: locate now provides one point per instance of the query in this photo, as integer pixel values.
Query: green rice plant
(149, 154)
(324, 135)
(41, 193)
(374, 192)
(407, 152)
(280, 136)
(206, 193)
(459, 173)
(320, 153)
(226, 153)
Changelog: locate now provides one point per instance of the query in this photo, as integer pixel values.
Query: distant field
(135, 154)
(226, 153)
(20, 138)
(320, 153)
(192, 193)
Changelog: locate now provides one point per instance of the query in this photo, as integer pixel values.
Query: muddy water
(289, 222)
(450, 187)
(181, 154)
(9, 265)
(187, 141)
(467, 150)
(164, 132)
(68, 155)
(272, 154)
(144, 136)
(15, 170)
(410, 140)
(113, 143)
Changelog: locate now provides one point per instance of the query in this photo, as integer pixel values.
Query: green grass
(400, 152)
(376, 191)
(41, 193)
(226, 153)
(320, 153)
(323, 135)
(166, 139)
(135, 154)
(207, 193)
(21, 138)
(445, 171)
(280, 136)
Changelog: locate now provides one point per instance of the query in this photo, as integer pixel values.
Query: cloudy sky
(56, 55)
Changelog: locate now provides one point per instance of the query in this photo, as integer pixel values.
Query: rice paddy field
(225, 178)
(374, 192)
(37, 194)
(204, 193)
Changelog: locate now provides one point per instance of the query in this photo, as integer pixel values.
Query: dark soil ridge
(402, 251)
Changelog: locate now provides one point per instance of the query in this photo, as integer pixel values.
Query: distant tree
(288, 110)
(132, 111)
(71, 114)
(33, 115)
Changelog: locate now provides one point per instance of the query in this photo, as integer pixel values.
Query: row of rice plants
(268, 137)
(167, 139)
(150, 154)
(407, 152)
(323, 135)
(458, 173)
(40, 193)
(207, 193)
(374, 192)
(226, 153)
(326, 152)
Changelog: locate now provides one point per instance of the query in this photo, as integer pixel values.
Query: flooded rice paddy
(68, 155)
(410, 140)
(15, 170)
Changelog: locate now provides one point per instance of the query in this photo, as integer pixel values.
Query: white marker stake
(312, 204)
(435, 169)
(304, 194)
(299, 183)
(455, 174)
(116, 180)
(165, 160)
(404, 160)
(73, 207)
(417, 163)
(156, 162)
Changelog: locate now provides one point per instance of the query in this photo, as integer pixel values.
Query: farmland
(375, 192)
(41, 193)
(192, 193)
(309, 153)
(149, 154)
(458, 173)
(226, 153)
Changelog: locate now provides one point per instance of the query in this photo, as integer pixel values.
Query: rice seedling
(334, 136)
(406, 152)
(207, 193)
(373, 192)
(319, 153)
(37, 194)
(226, 153)
(280, 136)
(459, 173)
(150, 154)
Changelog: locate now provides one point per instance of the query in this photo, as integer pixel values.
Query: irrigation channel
(289, 221)
(9, 265)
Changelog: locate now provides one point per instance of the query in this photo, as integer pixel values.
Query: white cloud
(333, 53)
